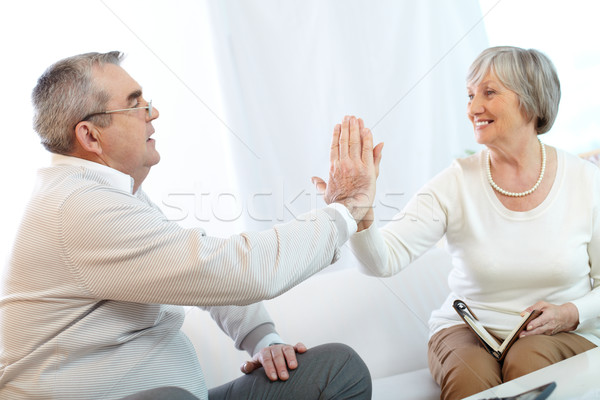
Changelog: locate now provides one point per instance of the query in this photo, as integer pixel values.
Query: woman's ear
(86, 135)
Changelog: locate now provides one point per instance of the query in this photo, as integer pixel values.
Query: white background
(249, 90)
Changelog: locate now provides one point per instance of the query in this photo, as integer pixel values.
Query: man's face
(126, 143)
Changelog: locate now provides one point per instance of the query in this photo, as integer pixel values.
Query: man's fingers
(269, 365)
(354, 140)
(249, 366)
(279, 361)
(290, 357)
(320, 184)
(275, 360)
(300, 347)
(352, 173)
(377, 153)
(367, 146)
(344, 138)
(335, 143)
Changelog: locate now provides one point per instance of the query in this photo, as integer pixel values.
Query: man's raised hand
(354, 166)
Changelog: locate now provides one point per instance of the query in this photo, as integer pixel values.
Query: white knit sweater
(503, 261)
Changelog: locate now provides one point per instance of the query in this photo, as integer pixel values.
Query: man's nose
(155, 114)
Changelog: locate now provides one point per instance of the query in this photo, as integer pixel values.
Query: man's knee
(341, 354)
(338, 350)
(350, 376)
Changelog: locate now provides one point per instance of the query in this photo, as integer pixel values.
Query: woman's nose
(475, 106)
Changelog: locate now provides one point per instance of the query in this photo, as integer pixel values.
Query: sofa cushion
(415, 385)
(383, 319)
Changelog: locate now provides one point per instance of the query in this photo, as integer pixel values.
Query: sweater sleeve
(118, 247)
(589, 305)
(417, 228)
(245, 325)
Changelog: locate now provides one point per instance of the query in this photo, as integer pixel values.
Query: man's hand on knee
(276, 360)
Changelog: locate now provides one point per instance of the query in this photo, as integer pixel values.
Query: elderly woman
(522, 223)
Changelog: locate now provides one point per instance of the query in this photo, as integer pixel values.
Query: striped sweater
(92, 295)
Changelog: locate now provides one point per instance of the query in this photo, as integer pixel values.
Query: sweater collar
(115, 178)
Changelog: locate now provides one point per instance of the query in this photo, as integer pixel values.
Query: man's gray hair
(65, 94)
(527, 72)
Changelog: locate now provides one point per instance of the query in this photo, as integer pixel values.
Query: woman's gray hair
(527, 72)
(65, 94)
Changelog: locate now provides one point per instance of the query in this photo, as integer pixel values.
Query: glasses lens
(150, 108)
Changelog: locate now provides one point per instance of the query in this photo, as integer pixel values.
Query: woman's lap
(462, 367)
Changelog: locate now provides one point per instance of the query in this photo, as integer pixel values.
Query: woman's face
(494, 111)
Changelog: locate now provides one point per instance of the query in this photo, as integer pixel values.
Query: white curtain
(290, 71)
(249, 92)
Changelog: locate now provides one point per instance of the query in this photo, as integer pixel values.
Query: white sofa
(383, 319)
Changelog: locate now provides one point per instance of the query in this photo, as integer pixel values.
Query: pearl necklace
(513, 194)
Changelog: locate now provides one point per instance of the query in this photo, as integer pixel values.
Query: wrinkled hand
(275, 360)
(554, 319)
(354, 168)
(367, 220)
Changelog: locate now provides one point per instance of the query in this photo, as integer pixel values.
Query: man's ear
(87, 135)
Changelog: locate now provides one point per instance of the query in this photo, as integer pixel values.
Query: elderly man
(91, 299)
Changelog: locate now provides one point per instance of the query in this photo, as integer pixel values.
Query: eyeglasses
(148, 107)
